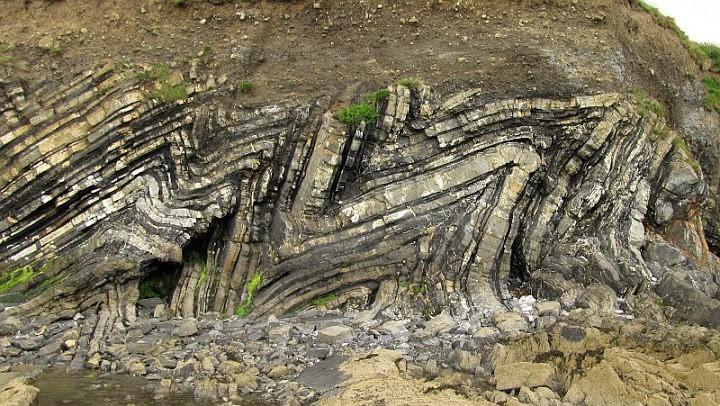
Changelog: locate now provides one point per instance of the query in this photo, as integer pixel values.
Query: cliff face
(110, 183)
(103, 186)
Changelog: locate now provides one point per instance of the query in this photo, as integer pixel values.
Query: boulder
(442, 323)
(279, 372)
(247, 379)
(187, 328)
(705, 377)
(279, 333)
(27, 343)
(510, 322)
(395, 328)
(600, 387)
(548, 308)
(517, 375)
(335, 334)
(18, 392)
(598, 298)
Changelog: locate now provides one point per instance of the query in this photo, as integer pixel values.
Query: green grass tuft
(647, 104)
(356, 113)
(322, 301)
(169, 93)
(713, 53)
(160, 75)
(180, 3)
(712, 93)
(412, 84)
(245, 86)
(156, 73)
(17, 277)
(679, 143)
(243, 309)
(378, 96)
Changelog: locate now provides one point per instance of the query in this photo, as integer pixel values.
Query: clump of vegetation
(17, 277)
(679, 143)
(165, 91)
(647, 104)
(378, 96)
(419, 289)
(243, 309)
(357, 113)
(198, 261)
(169, 93)
(180, 3)
(410, 83)
(712, 93)
(712, 52)
(245, 86)
(323, 301)
(156, 73)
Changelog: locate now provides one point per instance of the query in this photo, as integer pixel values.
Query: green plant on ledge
(713, 53)
(647, 104)
(378, 97)
(245, 86)
(357, 113)
(243, 310)
(410, 83)
(17, 277)
(323, 301)
(165, 91)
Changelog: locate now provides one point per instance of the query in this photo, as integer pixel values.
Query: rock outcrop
(262, 210)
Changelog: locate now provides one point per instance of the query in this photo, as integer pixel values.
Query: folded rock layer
(266, 209)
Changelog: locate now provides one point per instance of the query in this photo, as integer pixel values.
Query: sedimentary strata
(265, 209)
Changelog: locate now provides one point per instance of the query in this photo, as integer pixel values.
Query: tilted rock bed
(450, 208)
(266, 209)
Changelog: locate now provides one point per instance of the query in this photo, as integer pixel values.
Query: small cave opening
(159, 281)
(518, 282)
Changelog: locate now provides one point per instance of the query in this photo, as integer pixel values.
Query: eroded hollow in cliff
(519, 276)
(160, 280)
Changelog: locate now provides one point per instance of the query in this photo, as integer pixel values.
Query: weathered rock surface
(17, 391)
(102, 187)
(517, 375)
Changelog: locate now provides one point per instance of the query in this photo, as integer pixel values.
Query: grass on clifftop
(712, 93)
(355, 114)
(712, 52)
(243, 310)
(702, 53)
